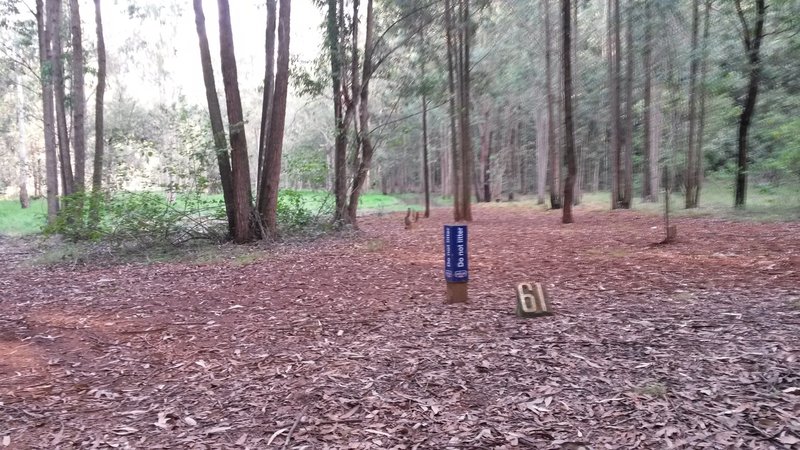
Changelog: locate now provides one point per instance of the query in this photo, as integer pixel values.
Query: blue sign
(456, 260)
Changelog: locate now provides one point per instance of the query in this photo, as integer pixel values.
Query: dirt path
(345, 343)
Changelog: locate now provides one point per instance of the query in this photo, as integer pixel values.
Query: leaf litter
(327, 345)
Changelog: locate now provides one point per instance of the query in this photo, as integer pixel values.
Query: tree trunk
(426, 176)
(240, 165)
(99, 119)
(340, 146)
(466, 133)
(269, 89)
(57, 65)
(553, 152)
(627, 194)
(44, 31)
(569, 136)
(691, 149)
(78, 98)
(701, 91)
(272, 158)
(22, 147)
(542, 147)
(367, 150)
(455, 106)
(615, 61)
(647, 67)
(484, 173)
(752, 44)
(215, 116)
(657, 127)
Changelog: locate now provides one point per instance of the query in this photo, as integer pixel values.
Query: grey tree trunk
(78, 98)
(22, 147)
(691, 149)
(240, 165)
(269, 89)
(44, 31)
(57, 65)
(99, 119)
(569, 129)
(215, 116)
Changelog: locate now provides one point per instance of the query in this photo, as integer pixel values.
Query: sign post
(456, 263)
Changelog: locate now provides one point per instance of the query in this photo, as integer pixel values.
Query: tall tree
(215, 115)
(627, 191)
(335, 51)
(647, 56)
(426, 176)
(57, 67)
(454, 103)
(553, 151)
(464, 83)
(269, 90)
(270, 182)
(692, 187)
(614, 63)
(22, 146)
(44, 32)
(78, 97)
(569, 141)
(240, 166)
(752, 35)
(99, 115)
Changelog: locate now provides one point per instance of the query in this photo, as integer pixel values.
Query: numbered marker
(532, 300)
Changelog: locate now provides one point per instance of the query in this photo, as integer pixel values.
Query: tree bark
(367, 150)
(542, 146)
(269, 88)
(57, 65)
(22, 147)
(455, 106)
(240, 165)
(647, 68)
(99, 119)
(215, 116)
(426, 176)
(569, 136)
(615, 61)
(627, 194)
(340, 145)
(752, 45)
(466, 133)
(553, 152)
(78, 98)
(44, 31)
(691, 149)
(272, 158)
(701, 91)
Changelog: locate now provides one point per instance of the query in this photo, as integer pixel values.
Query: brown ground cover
(346, 342)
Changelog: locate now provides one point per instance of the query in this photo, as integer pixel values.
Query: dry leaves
(343, 344)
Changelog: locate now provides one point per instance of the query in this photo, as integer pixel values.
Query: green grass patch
(15, 221)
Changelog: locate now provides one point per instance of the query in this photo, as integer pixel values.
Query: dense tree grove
(472, 100)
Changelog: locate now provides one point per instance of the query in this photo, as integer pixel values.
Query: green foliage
(292, 212)
(140, 219)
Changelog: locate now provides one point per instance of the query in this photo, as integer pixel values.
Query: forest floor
(345, 342)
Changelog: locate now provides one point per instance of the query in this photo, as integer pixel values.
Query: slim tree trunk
(627, 194)
(78, 98)
(44, 31)
(542, 152)
(269, 88)
(426, 176)
(752, 45)
(272, 157)
(569, 136)
(657, 127)
(455, 106)
(553, 152)
(215, 116)
(99, 119)
(615, 61)
(57, 64)
(701, 91)
(647, 68)
(340, 146)
(22, 147)
(240, 165)
(466, 133)
(367, 150)
(691, 149)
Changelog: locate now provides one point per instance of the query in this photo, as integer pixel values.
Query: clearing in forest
(346, 343)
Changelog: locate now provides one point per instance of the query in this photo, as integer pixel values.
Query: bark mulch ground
(346, 343)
